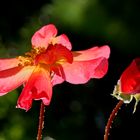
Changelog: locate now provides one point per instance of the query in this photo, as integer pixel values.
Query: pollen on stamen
(34, 52)
(29, 57)
(25, 61)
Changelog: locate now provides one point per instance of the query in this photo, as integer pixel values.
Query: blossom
(50, 62)
(128, 86)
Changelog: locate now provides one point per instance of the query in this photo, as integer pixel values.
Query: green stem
(111, 118)
(41, 121)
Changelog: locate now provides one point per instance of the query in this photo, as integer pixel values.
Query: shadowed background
(76, 112)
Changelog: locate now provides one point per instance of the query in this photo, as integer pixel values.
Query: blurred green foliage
(76, 112)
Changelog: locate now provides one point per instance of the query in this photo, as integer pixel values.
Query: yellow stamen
(29, 57)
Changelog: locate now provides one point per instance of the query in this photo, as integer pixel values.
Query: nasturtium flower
(50, 62)
(128, 86)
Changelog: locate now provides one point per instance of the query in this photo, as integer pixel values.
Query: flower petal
(80, 72)
(57, 78)
(130, 78)
(55, 54)
(92, 53)
(64, 41)
(8, 63)
(62, 53)
(43, 36)
(38, 87)
(13, 78)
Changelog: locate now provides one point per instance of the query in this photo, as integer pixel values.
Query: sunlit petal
(80, 72)
(92, 53)
(63, 40)
(38, 87)
(43, 36)
(8, 63)
(13, 78)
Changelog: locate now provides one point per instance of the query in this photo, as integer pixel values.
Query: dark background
(76, 112)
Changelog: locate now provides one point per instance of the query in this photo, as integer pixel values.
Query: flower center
(29, 58)
(52, 56)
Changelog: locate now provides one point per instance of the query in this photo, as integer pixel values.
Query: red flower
(130, 79)
(128, 86)
(50, 62)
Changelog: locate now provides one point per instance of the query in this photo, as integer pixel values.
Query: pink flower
(50, 62)
(128, 86)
